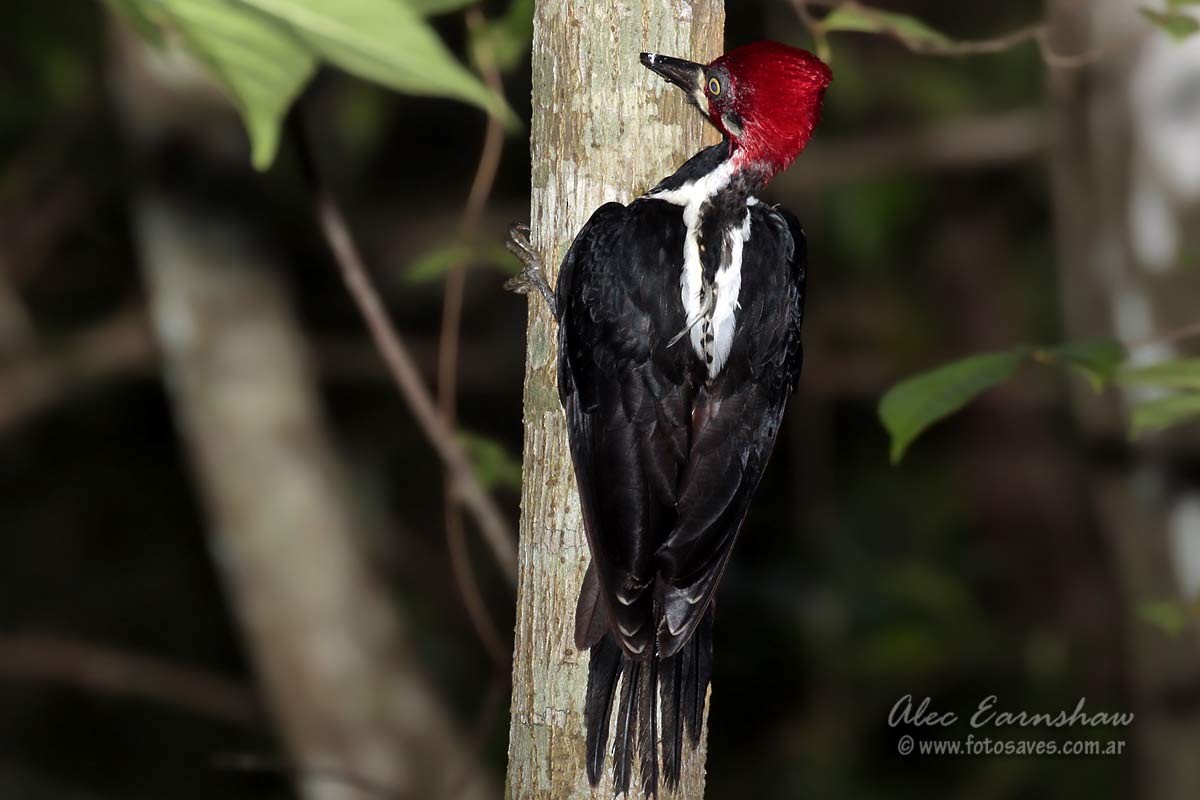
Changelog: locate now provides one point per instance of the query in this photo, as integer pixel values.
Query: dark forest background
(984, 563)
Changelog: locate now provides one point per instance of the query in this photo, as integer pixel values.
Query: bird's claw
(532, 277)
(519, 243)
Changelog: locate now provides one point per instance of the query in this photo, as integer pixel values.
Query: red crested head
(764, 97)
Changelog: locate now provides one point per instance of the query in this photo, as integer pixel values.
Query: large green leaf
(872, 20)
(912, 405)
(1166, 412)
(140, 17)
(261, 64)
(383, 41)
(1183, 373)
(430, 8)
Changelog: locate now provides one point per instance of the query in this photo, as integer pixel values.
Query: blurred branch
(123, 346)
(448, 354)
(334, 652)
(495, 528)
(37, 225)
(102, 669)
(118, 345)
(1174, 336)
(969, 143)
(885, 24)
(17, 332)
(819, 34)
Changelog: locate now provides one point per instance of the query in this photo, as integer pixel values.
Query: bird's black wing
(734, 424)
(627, 405)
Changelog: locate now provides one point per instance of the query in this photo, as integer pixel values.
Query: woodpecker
(679, 322)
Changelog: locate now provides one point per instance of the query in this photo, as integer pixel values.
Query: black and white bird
(679, 346)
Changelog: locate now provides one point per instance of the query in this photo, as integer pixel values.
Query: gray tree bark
(1123, 210)
(603, 129)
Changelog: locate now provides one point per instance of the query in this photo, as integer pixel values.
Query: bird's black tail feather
(680, 683)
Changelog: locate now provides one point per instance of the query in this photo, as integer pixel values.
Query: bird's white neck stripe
(729, 283)
(695, 194)
(710, 311)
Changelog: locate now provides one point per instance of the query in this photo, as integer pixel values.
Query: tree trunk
(604, 128)
(1123, 201)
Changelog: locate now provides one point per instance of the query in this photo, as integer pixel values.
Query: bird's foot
(532, 277)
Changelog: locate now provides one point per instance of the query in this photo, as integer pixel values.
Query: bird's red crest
(769, 101)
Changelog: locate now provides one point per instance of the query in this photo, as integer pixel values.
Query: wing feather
(627, 408)
(736, 420)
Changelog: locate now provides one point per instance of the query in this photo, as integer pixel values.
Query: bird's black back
(667, 456)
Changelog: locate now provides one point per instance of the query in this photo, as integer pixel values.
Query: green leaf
(429, 8)
(1179, 25)
(1169, 617)
(386, 42)
(864, 20)
(508, 38)
(259, 62)
(1166, 412)
(1095, 359)
(1180, 3)
(435, 263)
(494, 465)
(914, 404)
(1183, 373)
(141, 17)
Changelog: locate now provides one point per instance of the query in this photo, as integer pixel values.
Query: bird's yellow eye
(714, 87)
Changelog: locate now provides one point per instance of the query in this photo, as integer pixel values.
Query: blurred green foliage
(910, 407)
(1169, 616)
(433, 264)
(494, 464)
(263, 52)
(506, 39)
(916, 403)
(262, 64)
(1175, 20)
(430, 7)
(863, 19)
(1183, 373)
(868, 220)
(1096, 360)
(1151, 416)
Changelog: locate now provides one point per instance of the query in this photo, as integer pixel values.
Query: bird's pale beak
(687, 75)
